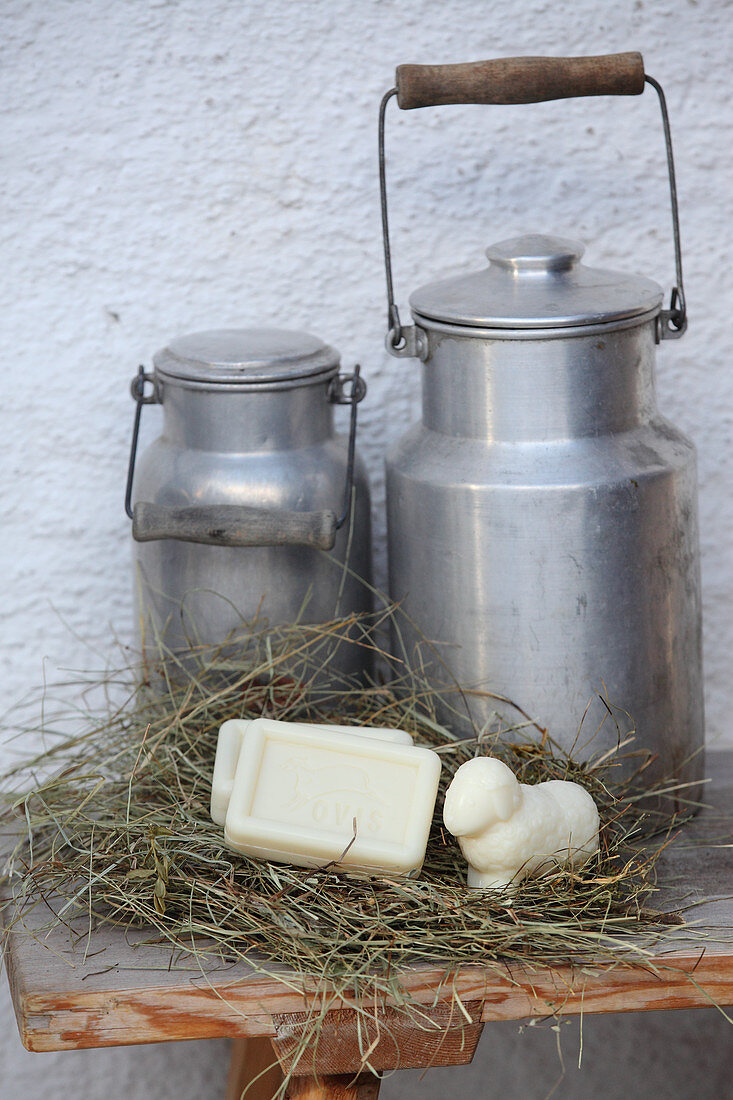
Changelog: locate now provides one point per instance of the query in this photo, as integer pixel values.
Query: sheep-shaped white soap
(508, 830)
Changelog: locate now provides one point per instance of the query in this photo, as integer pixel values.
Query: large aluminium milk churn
(249, 506)
(542, 515)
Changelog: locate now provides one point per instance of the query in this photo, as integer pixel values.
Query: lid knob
(536, 252)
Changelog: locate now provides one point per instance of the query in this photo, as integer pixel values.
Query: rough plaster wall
(175, 166)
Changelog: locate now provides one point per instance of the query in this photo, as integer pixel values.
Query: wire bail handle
(240, 525)
(522, 80)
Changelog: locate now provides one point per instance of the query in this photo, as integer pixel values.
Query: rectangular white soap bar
(298, 792)
(229, 744)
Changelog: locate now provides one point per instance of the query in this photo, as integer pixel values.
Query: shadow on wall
(685, 1055)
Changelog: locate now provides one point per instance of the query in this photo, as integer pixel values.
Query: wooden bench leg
(250, 1057)
(342, 1087)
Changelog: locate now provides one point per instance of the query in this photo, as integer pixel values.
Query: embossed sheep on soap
(509, 830)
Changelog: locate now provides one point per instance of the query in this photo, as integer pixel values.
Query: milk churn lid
(537, 281)
(246, 356)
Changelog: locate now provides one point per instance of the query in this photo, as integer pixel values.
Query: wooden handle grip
(519, 80)
(233, 525)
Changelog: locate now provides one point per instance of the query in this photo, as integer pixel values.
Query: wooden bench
(74, 989)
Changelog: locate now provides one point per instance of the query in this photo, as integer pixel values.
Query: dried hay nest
(112, 821)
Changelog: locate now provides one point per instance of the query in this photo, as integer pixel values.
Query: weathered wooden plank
(62, 1021)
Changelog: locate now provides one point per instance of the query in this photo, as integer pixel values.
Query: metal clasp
(672, 322)
(337, 388)
(411, 343)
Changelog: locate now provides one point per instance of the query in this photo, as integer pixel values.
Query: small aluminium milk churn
(542, 515)
(249, 506)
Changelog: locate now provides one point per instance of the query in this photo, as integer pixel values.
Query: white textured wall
(174, 166)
